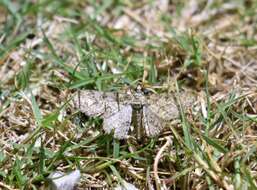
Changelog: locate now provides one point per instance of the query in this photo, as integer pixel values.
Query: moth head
(142, 89)
(139, 88)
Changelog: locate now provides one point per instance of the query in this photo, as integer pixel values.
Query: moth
(125, 112)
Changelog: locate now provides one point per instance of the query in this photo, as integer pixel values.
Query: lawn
(50, 50)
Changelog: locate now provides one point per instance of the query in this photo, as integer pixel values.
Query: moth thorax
(136, 106)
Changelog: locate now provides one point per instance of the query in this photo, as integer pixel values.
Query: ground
(51, 49)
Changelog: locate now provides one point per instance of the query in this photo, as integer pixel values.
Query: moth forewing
(187, 99)
(166, 105)
(119, 122)
(110, 106)
(90, 102)
(151, 122)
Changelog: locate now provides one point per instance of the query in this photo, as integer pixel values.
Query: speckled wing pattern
(119, 122)
(116, 115)
(153, 124)
(166, 107)
(116, 109)
(162, 108)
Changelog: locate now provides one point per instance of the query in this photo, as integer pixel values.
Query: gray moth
(131, 111)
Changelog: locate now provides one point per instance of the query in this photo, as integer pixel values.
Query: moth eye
(146, 91)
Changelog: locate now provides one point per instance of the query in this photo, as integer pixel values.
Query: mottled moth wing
(166, 107)
(119, 122)
(110, 106)
(93, 103)
(152, 123)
